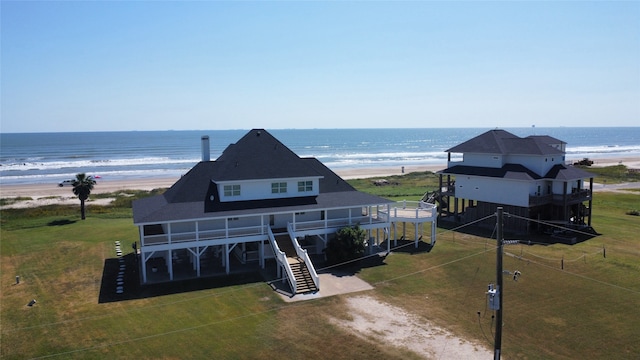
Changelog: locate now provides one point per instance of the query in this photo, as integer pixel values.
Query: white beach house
(527, 176)
(257, 201)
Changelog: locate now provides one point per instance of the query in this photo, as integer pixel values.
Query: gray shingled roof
(508, 171)
(546, 139)
(519, 172)
(502, 142)
(562, 172)
(257, 155)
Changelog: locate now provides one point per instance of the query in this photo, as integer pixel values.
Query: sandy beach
(109, 186)
(46, 194)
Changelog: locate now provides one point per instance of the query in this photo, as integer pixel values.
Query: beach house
(527, 176)
(257, 202)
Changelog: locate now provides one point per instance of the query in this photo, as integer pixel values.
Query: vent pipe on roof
(205, 148)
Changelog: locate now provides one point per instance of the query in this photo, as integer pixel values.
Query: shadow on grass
(408, 246)
(131, 288)
(377, 259)
(61, 222)
(568, 236)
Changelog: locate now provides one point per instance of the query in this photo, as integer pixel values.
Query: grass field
(589, 309)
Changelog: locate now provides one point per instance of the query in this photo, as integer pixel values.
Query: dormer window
(305, 186)
(278, 188)
(231, 190)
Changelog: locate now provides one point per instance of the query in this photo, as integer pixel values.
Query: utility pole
(499, 235)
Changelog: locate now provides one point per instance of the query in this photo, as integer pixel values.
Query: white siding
(538, 164)
(244, 222)
(261, 189)
(501, 191)
(482, 160)
(183, 227)
(533, 163)
(308, 216)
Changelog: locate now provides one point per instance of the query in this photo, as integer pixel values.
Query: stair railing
(304, 255)
(281, 257)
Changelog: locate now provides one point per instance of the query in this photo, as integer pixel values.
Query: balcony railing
(411, 210)
(335, 223)
(173, 238)
(576, 196)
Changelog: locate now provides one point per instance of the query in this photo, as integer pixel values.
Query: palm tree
(82, 186)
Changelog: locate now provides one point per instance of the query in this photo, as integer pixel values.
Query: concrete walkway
(330, 284)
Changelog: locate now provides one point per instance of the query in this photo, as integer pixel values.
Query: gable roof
(501, 142)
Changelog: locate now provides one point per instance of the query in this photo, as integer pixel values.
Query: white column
(144, 267)
(433, 232)
(416, 234)
(261, 252)
(198, 261)
(395, 237)
(141, 231)
(226, 255)
(170, 265)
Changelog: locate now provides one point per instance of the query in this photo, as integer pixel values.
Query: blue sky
(147, 65)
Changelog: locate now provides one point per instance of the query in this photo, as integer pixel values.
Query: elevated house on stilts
(259, 201)
(527, 176)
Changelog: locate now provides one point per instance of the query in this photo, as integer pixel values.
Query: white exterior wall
(508, 192)
(261, 189)
(281, 220)
(544, 187)
(536, 164)
(483, 160)
(308, 216)
(183, 227)
(558, 186)
(244, 221)
(206, 225)
(338, 214)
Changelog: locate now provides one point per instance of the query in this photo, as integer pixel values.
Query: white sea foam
(122, 155)
(91, 163)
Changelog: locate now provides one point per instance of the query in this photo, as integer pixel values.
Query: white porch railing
(336, 223)
(172, 238)
(410, 210)
(303, 254)
(281, 257)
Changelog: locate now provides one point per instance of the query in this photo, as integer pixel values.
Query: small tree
(82, 186)
(347, 245)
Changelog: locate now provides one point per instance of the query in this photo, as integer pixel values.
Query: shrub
(347, 245)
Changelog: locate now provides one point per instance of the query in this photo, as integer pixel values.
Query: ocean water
(53, 157)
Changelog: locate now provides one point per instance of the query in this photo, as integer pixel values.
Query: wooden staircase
(302, 275)
(298, 267)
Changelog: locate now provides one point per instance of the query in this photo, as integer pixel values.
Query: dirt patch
(376, 321)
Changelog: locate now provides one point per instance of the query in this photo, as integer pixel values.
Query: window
(304, 186)
(232, 190)
(278, 188)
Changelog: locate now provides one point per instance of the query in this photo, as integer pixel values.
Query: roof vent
(205, 148)
(258, 133)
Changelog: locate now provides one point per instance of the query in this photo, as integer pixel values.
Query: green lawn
(589, 309)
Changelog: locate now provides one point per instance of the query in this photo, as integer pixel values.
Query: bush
(347, 245)
(633, 212)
